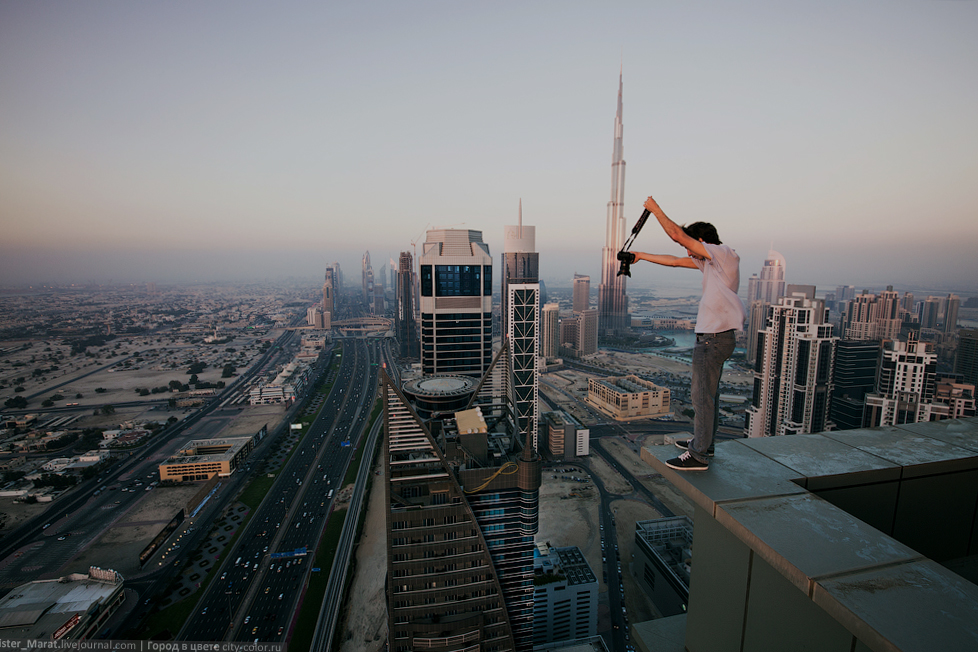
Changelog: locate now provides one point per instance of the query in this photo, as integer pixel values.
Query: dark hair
(702, 230)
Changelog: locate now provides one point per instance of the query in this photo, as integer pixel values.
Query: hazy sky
(185, 140)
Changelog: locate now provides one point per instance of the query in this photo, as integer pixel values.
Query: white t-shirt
(720, 308)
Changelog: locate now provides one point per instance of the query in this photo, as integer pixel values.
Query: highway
(261, 581)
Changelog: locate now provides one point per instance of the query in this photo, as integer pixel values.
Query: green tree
(16, 403)
(107, 410)
(228, 371)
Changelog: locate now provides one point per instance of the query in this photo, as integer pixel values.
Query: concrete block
(915, 607)
(917, 454)
(825, 462)
(804, 537)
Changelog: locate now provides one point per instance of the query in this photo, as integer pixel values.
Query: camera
(626, 258)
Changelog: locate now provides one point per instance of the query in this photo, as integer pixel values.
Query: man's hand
(626, 257)
(652, 207)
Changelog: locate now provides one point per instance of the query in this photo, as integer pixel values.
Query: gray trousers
(709, 354)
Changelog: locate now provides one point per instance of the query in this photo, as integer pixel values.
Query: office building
(793, 370)
(462, 512)
(550, 331)
(565, 596)
(628, 397)
(582, 292)
(612, 300)
(769, 286)
(565, 436)
(204, 458)
(456, 303)
(405, 320)
(854, 376)
(966, 358)
(663, 562)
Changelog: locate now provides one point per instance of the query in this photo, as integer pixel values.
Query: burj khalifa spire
(612, 301)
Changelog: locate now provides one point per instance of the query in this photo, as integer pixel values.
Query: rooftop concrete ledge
(768, 493)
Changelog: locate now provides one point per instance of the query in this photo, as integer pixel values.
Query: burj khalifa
(612, 301)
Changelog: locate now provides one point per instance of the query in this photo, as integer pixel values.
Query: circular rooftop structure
(446, 393)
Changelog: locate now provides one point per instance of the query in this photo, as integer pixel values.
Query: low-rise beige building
(628, 397)
(205, 458)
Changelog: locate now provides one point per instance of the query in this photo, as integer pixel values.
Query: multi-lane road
(260, 583)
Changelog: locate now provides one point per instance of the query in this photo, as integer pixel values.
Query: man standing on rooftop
(721, 313)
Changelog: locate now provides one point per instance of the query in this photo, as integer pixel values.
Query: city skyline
(233, 142)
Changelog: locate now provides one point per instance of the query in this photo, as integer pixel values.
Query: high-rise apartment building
(582, 292)
(405, 320)
(456, 303)
(550, 331)
(966, 359)
(860, 321)
(854, 377)
(769, 286)
(890, 315)
(612, 300)
(906, 380)
(793, 370)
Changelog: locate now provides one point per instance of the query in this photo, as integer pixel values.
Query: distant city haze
(227, 142)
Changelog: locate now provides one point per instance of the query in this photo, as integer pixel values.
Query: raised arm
(665, 259)
(676, 233)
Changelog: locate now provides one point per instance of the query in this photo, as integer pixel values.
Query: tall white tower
(612, 301)
(521, 321)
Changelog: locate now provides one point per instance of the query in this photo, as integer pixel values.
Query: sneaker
(685, 446)
(686, 462)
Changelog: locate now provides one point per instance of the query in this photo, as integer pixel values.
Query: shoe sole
(688, 468)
